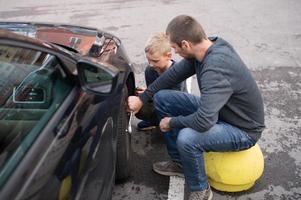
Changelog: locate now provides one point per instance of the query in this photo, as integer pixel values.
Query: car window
(31, 90)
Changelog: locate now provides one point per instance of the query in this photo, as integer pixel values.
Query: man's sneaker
(168, 168)
(144, 126)
(201, 195)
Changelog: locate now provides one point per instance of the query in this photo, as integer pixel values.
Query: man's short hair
(158, 43)
(184, 27)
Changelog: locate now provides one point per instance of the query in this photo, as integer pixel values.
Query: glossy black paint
(83, 126)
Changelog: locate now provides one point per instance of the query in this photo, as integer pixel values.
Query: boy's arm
(174, 75)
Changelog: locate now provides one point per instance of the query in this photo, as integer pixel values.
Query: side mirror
(96, 78)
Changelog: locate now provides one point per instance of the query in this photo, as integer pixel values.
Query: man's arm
(215, 93)
(174, 75)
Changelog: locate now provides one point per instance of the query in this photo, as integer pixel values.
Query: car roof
(78, 38)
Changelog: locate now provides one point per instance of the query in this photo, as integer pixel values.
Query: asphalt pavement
(267, 35)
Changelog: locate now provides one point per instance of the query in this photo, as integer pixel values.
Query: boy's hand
(139, 90)
(134, 104)
(164, 124)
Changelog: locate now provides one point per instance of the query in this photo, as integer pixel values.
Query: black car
(63, 120)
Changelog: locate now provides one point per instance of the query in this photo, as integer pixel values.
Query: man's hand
(164, 124)
(134, 104)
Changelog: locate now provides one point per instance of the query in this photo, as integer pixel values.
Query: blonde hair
(158, 43)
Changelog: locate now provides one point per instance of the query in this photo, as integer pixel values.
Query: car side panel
(30, 169)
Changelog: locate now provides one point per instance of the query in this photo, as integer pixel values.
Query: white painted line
(176, 188)
(188, 84)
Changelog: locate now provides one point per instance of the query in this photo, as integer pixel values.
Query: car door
(33, 135)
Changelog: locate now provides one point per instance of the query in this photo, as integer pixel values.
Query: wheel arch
(130, 84)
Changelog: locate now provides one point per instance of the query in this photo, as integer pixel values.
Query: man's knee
(161, 96)
(186, 139)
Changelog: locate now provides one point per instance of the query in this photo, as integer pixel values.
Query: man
(228, 116)
(159, 56)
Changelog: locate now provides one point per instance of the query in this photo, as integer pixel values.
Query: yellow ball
(234, 171)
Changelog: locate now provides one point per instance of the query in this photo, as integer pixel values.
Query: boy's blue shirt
(153, 75)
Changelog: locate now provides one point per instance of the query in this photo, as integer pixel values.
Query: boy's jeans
(186, 145)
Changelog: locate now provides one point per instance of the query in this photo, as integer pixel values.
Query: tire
(123, 141)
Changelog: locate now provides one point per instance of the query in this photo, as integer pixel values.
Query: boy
(158, 53)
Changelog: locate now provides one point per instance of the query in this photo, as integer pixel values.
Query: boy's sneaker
(168, 168)
(201, 195)
(144, 126)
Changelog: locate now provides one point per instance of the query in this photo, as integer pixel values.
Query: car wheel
(123, 140)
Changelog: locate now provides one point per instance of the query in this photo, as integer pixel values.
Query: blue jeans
(186, 146)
